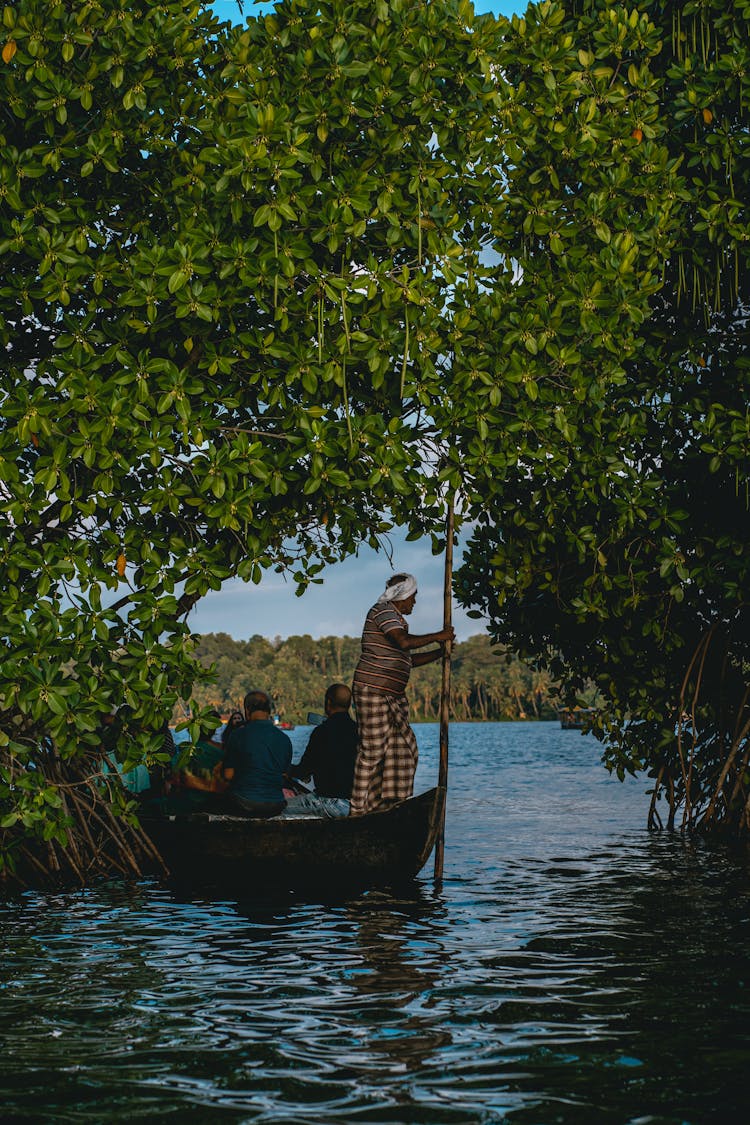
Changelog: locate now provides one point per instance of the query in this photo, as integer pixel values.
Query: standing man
(387, 750)
(328, 760)
(257, 756)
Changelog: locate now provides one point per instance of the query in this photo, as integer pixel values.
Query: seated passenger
(119, 728)
(328, 760)
(257, 754)
(202, 773)
(159, 772)
(236, 719)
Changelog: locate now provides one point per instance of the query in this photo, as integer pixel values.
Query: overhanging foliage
(226, 254)
(263, 284)
(619, 538)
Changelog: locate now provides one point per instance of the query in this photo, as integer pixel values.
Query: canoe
(388, 845)
(575, 718)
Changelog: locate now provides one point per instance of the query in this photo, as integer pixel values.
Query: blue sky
(339, 605)
(229, 9)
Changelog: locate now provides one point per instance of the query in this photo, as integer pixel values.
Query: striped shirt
(383, 666)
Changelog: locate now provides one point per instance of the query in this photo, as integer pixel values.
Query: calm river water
(572, 968)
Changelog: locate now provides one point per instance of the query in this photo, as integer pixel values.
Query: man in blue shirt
(258, 755)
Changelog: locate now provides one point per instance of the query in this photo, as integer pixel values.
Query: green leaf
(177, 280)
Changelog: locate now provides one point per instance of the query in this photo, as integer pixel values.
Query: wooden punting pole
(445, 686)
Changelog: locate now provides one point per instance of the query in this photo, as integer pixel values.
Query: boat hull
(392, 844)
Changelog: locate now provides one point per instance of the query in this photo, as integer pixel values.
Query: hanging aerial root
(655, 822)
(91, 841)
(710, 813)
(705, 773)
(699, 658)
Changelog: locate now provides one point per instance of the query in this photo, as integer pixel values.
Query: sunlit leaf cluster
(226, 258)
(615, 534)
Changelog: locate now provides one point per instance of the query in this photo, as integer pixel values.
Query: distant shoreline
(487, 684)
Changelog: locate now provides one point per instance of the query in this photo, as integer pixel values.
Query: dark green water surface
(572, 968)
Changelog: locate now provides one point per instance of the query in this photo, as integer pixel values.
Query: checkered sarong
(386, 752)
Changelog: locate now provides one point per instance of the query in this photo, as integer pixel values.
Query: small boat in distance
(575, 718)
(389, 845)
(282, 724)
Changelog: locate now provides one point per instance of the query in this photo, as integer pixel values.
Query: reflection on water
(401, 961)
(572, 969)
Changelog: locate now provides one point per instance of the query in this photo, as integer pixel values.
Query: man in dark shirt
(387, 754)
(257, 755)
(328, 760)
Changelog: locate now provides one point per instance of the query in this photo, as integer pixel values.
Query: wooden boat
(575, 718)
(389, 845)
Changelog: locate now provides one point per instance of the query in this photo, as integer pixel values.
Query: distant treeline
(296, 672)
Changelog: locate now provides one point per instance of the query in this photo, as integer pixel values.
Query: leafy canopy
(616, 532)
(226, 259)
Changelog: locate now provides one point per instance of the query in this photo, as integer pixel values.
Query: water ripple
(571, 969)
